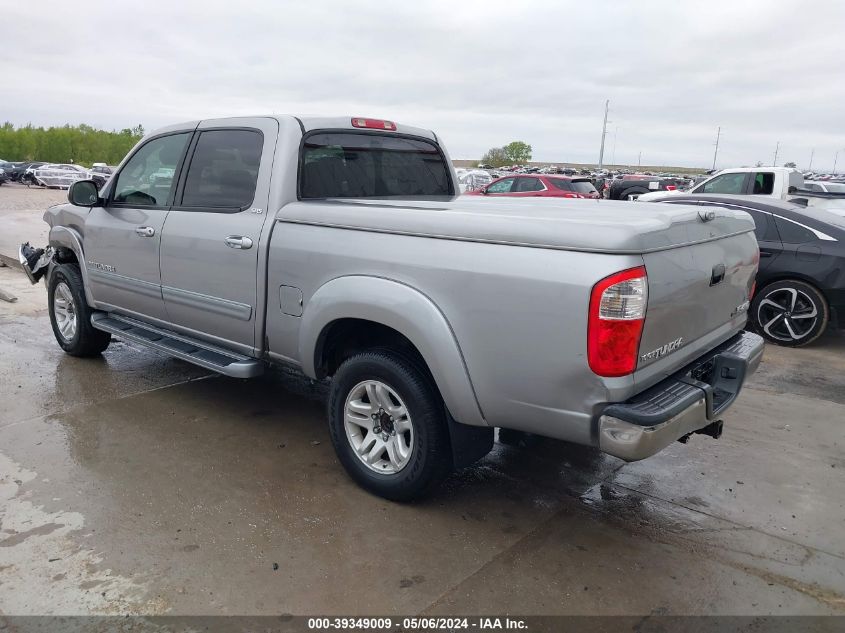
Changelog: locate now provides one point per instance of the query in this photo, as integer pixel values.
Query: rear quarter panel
(519, 314)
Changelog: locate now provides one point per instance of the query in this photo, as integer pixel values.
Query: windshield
(357, 165)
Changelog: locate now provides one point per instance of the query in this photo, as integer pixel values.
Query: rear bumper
(684, 403)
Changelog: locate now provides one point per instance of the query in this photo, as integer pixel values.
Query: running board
(185, 348)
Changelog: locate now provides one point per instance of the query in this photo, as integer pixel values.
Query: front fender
(409, 312)
(62, 236)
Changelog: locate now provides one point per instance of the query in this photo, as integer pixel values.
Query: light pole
(603, 134)
(716, 152)
(835, 159)
(812, 151)
(775, 160)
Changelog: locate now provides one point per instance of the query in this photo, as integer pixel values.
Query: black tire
(781, 321)
(85, 340)
(430, 458)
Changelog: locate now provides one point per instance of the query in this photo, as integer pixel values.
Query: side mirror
(83, 193)
(483, 190)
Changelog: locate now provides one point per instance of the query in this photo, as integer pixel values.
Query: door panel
(210, 242)
(122, 265)
(122, 239)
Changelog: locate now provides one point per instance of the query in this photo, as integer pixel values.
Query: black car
(632, 186)
(800, 286)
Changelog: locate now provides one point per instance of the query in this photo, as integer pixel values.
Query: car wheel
(388, 425)
(790, 313)
(70, 315)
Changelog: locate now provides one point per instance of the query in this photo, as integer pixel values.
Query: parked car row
(544, 186)
(56, 175)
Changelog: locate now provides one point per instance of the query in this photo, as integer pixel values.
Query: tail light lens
(617, 313)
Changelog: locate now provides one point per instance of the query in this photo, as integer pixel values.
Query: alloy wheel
(378, 427)
(787, 314)
(65, 311)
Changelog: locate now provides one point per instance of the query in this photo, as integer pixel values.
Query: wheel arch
(768, 280)
(391, 309)
(67, 241)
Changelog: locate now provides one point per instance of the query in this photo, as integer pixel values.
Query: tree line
(80, 144)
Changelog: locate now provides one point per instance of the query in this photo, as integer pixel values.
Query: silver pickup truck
(340, 246)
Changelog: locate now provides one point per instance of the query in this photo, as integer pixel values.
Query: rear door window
(356, 165)
(223, 170)
(561, 183)
(792, 232)
(528, 184)
(765, 229)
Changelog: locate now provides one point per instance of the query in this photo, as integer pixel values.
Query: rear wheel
(388, 425)
(790, 313)
(70, 315)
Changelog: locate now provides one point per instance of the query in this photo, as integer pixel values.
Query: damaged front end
(35, 261)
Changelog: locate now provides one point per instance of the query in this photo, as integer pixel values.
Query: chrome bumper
(684, 403)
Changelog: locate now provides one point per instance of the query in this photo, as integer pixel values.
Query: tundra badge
(670, 347)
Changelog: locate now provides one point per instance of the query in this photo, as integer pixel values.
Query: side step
(199, 353)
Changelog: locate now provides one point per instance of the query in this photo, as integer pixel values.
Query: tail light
(670, 187)
(617, 314)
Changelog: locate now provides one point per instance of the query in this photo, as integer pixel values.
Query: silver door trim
(121, 282)
(223, 307)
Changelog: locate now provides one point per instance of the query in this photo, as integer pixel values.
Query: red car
(541, 185)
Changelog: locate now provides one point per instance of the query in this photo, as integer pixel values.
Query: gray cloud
(480, 73)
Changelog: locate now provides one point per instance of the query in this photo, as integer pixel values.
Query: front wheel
(790, 313)
(70, 315)
(388, 425)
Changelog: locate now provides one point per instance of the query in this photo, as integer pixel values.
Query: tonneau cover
(605, 226)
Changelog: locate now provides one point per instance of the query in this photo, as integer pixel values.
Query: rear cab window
(371, 165)
(764, 183)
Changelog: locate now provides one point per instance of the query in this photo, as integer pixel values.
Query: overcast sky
(481, 74)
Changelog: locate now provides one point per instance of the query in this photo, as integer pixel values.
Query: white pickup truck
(772, 182)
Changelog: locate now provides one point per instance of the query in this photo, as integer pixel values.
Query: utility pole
(603, 134)
(775, 161)
(716, 152)
(812, 151)
(835, 159)
(640, 158)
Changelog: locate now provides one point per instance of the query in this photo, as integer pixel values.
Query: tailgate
(697, 298)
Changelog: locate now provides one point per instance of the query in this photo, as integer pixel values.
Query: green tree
(517, 152)
(790, 164)
(81, 144)
(495, 157)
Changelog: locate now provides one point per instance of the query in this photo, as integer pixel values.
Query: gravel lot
(134, 483)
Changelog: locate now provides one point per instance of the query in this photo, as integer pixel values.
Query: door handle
(145, 231)
(238, 241)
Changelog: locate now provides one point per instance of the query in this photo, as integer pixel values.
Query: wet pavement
(135, 483)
